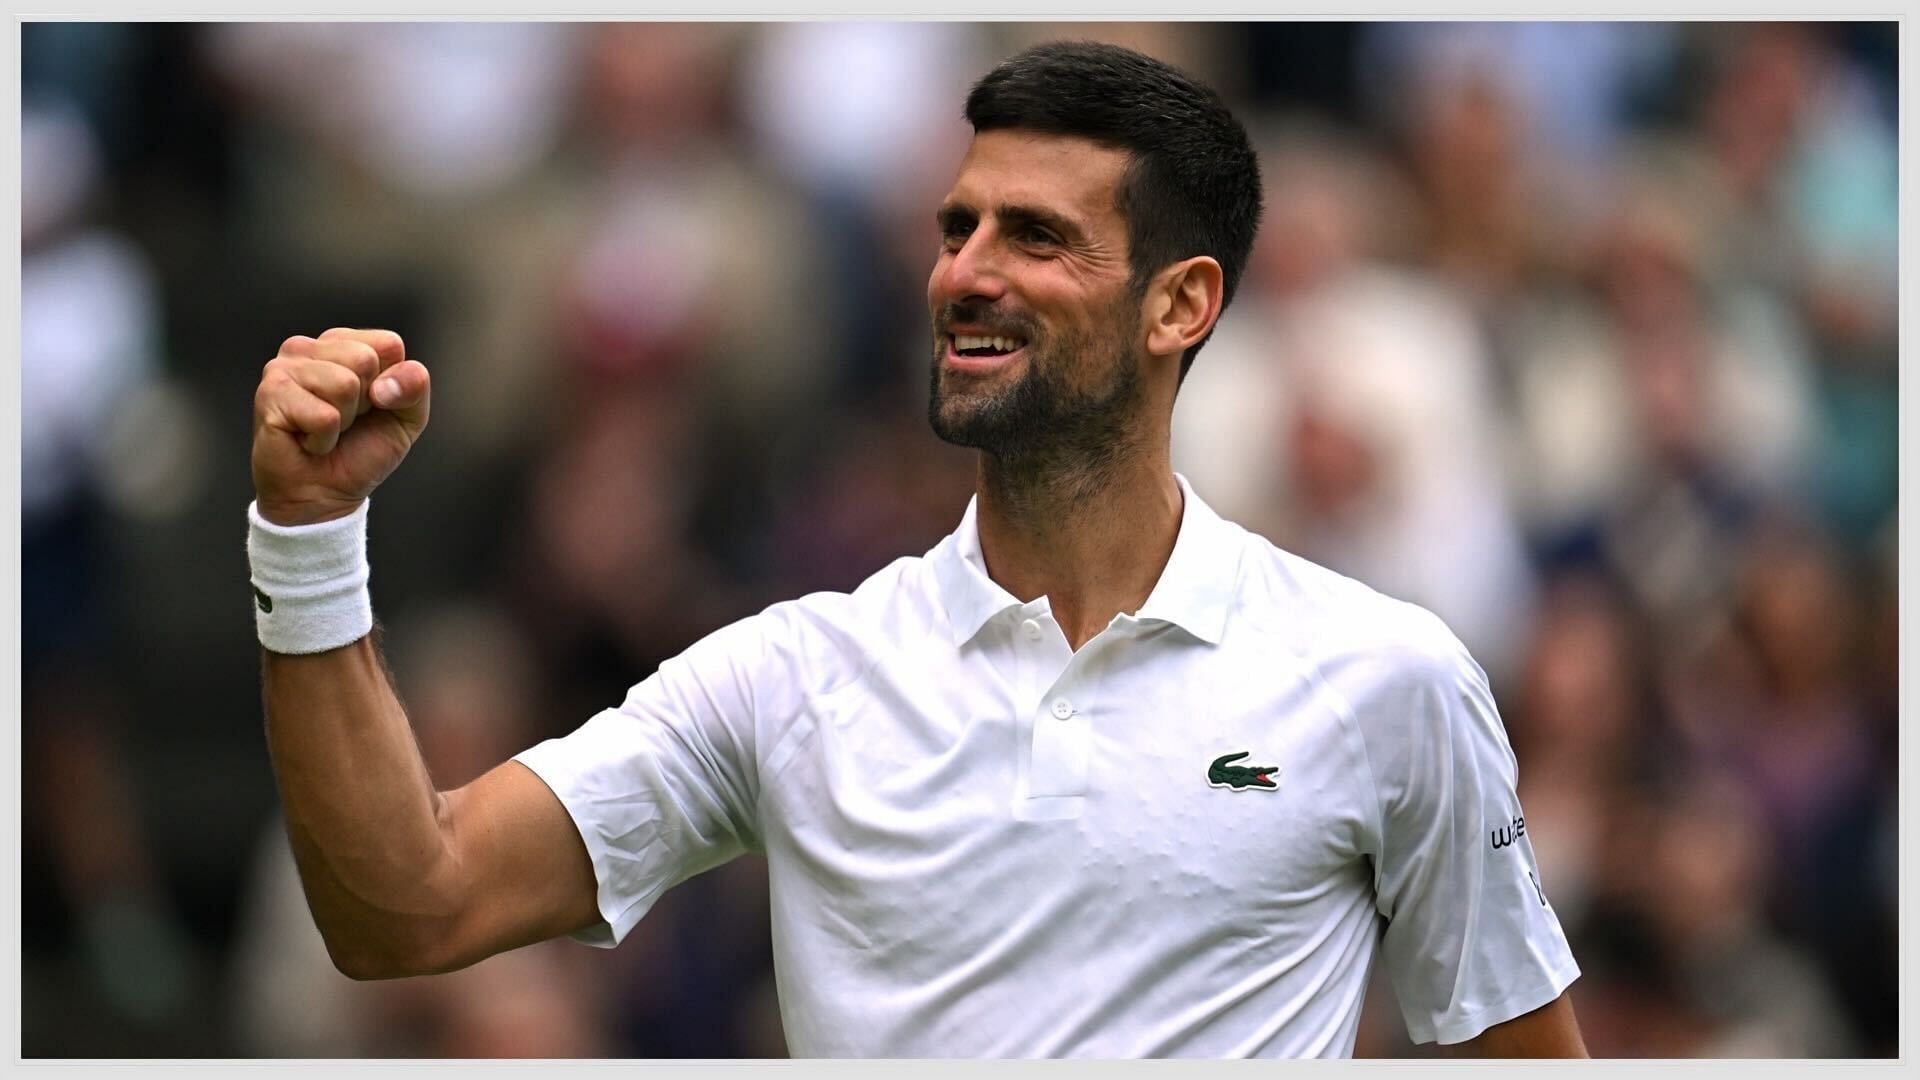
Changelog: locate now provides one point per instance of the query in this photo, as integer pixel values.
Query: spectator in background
(413, 181)
(1803, 145)
(1657, 406)
(1590, 728)
(1347, 410)
(1558, 97)
(89, 337)
(417, 119)
(610, 576)
(1779, 702)
(670, 348)
(1702, 891)
(1485, 190)
(1685, 962)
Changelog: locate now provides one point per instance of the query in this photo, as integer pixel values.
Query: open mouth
(981, 352)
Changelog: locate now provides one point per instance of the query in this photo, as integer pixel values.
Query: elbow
(363, 964)
(367, 961)
(368, 943)
(361, 971)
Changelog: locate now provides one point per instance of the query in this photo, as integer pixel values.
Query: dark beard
(1041, 424)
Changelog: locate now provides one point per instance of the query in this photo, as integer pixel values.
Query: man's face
(1036, 335)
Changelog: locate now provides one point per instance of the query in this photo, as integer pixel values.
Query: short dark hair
(1193, 185)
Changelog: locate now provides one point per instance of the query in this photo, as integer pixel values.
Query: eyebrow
(953, 214)
(1013, 215)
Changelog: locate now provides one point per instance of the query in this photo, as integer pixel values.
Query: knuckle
(335, 333)
(342, 382)
(364, 361)
(297, 344)
(354, 357)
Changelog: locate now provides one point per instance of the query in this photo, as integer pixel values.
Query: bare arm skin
(402, 879)
(1548, 1031)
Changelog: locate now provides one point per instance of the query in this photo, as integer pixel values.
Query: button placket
(1061, 743)
(1055, 747)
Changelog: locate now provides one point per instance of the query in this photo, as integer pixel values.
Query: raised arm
(402, 879)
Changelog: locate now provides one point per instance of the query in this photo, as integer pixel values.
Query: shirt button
(1031, 629)
(1062, 708)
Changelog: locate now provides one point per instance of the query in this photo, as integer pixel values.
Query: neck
(1091, 533)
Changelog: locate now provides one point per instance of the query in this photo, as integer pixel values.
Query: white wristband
(309, 582)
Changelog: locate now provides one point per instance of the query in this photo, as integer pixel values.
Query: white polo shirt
(981, 843)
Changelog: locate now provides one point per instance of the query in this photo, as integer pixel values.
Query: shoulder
(821, 639)
(899, 597)
(1399, 678)
(1340, 626)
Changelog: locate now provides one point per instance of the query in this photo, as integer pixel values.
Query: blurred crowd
(1581, 334)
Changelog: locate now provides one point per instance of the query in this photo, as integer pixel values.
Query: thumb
(403, 390)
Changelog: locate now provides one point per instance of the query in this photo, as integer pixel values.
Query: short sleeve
(663, 787)
(1471, 939)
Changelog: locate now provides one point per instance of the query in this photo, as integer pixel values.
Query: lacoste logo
(1240, 777)
(262, 600)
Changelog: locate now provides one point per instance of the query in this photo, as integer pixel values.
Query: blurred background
(1582, 335)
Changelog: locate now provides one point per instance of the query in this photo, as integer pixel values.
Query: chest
(1149, 777)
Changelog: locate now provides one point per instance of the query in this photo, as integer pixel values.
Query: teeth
(962, 342)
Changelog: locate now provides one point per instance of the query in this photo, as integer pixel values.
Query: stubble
(1044, 441)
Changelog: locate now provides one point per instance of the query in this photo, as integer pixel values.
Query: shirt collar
(969, 595)
(1195, 590)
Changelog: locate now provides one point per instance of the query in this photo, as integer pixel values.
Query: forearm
(365, 823)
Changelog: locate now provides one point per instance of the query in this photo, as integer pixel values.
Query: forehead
(1063, 172)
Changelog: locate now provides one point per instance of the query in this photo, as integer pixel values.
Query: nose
(971, 273)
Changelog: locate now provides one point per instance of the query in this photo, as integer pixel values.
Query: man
(1101, 774)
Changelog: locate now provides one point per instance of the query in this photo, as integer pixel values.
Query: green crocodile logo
(262, 600)
(1240, 777)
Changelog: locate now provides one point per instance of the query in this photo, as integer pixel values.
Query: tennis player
(1101, 774)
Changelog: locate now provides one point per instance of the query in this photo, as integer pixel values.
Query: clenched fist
(332, 418)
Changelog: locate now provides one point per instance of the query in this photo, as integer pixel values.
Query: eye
(954, 230)
(1038, 234)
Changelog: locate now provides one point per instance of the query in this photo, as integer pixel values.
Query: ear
(1182, 303)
